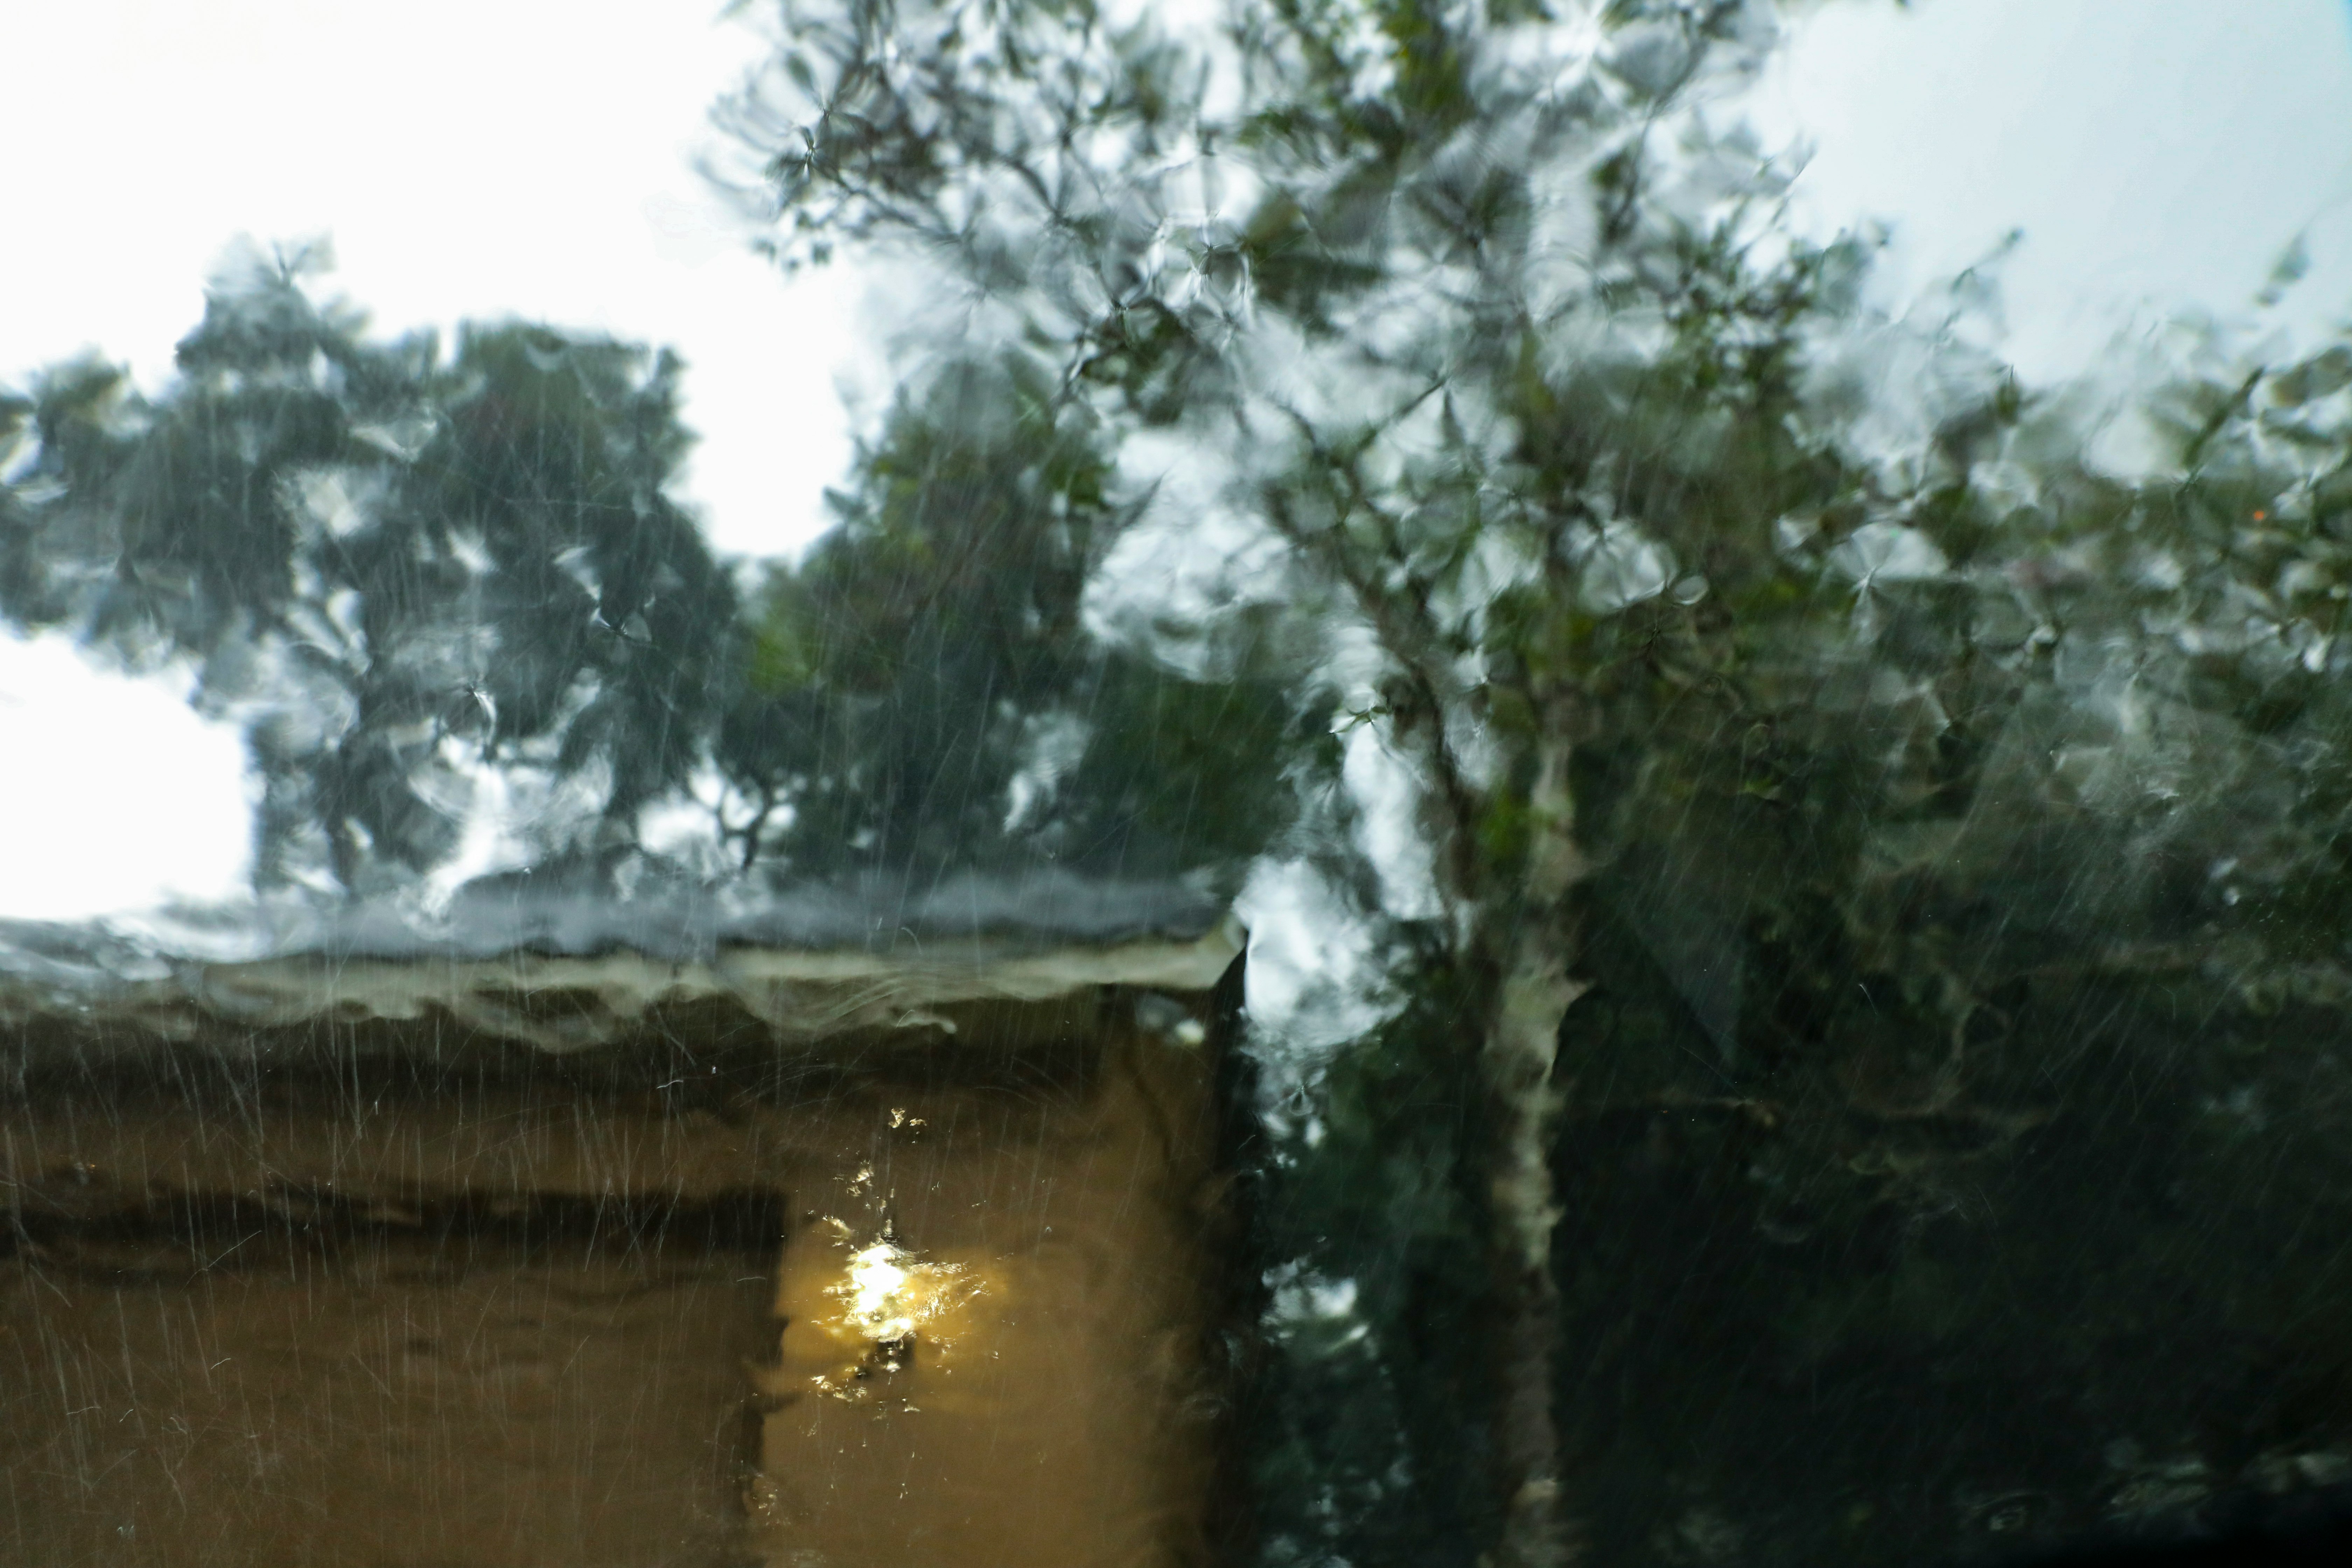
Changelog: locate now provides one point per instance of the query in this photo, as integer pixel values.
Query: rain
(1305, 786)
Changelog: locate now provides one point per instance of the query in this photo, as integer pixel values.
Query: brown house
(648, 1238)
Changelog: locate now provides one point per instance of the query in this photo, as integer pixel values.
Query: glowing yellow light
(876, 1278)
(887, 1292)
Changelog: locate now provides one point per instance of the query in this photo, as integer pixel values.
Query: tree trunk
(1529, 958)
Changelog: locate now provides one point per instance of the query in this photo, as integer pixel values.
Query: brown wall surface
(529, 1317)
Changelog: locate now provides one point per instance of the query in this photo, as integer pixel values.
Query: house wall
(472, 1305)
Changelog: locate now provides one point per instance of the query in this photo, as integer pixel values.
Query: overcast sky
(469, 158)
(2156, 154)
(492, 156)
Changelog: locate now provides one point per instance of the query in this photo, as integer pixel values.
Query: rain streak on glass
(1507, 811)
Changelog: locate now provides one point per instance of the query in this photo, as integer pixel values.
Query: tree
(393, 567)
(922, 694)
(1396, 159)
(1778, 653)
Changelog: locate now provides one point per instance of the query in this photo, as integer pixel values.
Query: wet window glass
(1046, 782)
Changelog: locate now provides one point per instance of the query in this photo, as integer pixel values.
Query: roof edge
(561, 1003)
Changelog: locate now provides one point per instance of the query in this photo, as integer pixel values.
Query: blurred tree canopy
(922, 692)
(409, 573)
(1835, 778)
(392, 566)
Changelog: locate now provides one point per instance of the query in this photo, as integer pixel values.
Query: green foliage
(392, 567)
(399, 568)
(1928, 770)
(923, 694)
(1368, 1435)
(1837, 1302)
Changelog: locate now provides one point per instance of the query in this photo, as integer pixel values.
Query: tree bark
(1529, 959)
